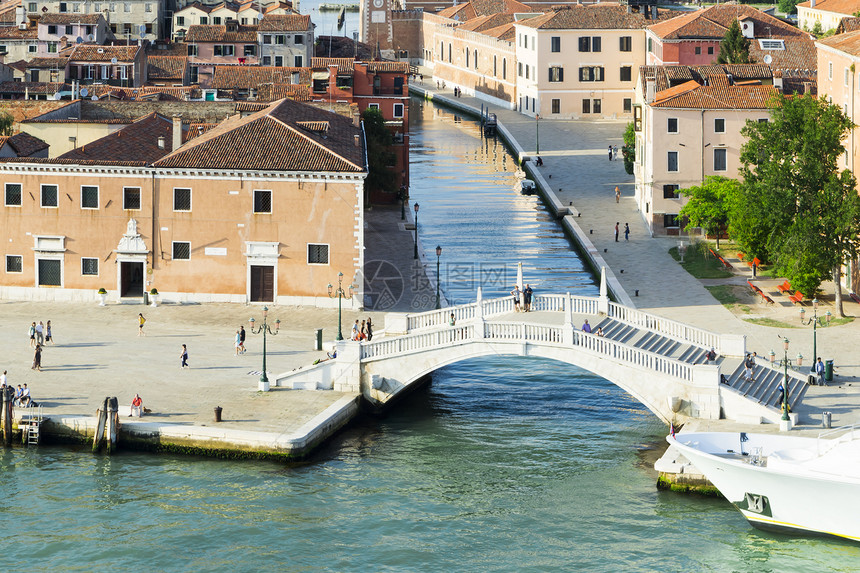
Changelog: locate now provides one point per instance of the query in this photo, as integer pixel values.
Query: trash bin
(218, 410)
(145, 298)
(826, 419)
(828, 370)
(318, 340)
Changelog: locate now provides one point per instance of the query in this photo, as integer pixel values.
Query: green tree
(6, 123)
(808, 209)
(708, 206)
(787, 6)
(734, 48)
(380, 158)
(628, 152)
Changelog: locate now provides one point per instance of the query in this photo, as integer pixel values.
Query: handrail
(849, 433)
(665, 326)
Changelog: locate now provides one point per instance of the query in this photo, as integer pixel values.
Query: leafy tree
(379, 155)
(708, 206)
(787, 6)
(628, 152)
(807, 208)
(6, 123)
(734, 48)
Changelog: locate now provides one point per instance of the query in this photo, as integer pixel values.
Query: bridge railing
(665, 326)
(419, 341)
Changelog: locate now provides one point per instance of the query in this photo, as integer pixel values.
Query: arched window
(504, 68)
(450, 59)
(476, 59)
(467, 57)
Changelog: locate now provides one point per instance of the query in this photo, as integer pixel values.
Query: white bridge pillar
(603, 301)
(567, 327)
(479, 315)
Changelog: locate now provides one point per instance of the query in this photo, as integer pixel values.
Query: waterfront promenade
(577, 170)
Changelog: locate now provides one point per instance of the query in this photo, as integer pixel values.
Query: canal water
(501, 464)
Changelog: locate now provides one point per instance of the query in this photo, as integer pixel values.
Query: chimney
(357, 140)
(747, 29)
(21, 17)
(812, 3)
(650, 91)
(161, 142)
(177, 132)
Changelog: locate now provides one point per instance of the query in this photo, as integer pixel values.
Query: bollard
(218, 411)
(145, 298)
(8, 398)
(826, 419)
(318, 340)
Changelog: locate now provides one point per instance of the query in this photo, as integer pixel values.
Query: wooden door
(262, 284)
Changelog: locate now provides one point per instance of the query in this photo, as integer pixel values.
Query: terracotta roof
(691, 95)
(799, 55)
(135, 142)
(199, 6)
(93, 53)
(344, 65)
(848, 24)
(145, 92)
(670, 76)
(277, 6)
(248, 77)
(483, 23)
(461, 12)
(49, 63)
(272, 140)
(285, 23)
(848, 43)
(504, 32)
(593, 17)
(198, 129)
(713, 22)
(166, 67)
(199, 34)
(14, 33)
(24, 144)
(275, 92)
(69, 19)
(32, 87)
(847, 7)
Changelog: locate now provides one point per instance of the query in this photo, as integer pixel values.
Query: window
(720, 159)
(373, 106)
(762, 120)
(556, 106)
(32, 7)
(14, 263)
(298, 61)
(556, 74)
(267, 38)
(697, 50)
(131, 198)
(181, 250)
(50, 272)
(467, 57)
(89, 197)
(224, 50)
(520, 69)
(50, 195)
(710, 50)
(719, 125)
(32, 48)
(845, 77)
(279, 61)
(586, 106)
(671, 192)
(628, 105)
(596, 106)
(504, 68)
(13, 195)
(626, 73)
(299, 39)
(112, 7)
(204, 20)
(585, 44)
(495, 66)
(317, 254)
(555, 44)
(595, 44)
(216, 20)
(476, 59)
(398, 110)
(771, 44)
(591, 74)
(527, 72)
(149, 7)
(671, 221)
(625, 44)
(650, 46)
(673, 125)
(89, 266)
(180, 20)
(250, 50)
(192, 49)
(267, 60)
(673, 161)
(126, 7)
(262, 201)
(181, 199)
(52, 30)
(280, 40)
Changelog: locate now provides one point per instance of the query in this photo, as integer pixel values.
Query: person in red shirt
(136, 407)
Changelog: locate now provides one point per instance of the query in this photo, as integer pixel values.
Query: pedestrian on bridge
(516, 294)
(527, 298)
(586, 327)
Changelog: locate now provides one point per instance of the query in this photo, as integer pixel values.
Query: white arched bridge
(658, 361)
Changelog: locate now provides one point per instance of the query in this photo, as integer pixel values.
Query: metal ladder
(31, 421)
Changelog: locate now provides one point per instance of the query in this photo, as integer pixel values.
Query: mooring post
(113, 422)
(101, 414)
(8, 397)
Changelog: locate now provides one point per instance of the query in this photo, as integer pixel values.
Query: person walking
(355, 331)
(242, 338)
(819, 369)
(617, 194)
(616, 231)
(362, 332)
(516, 295)
(141, 320)
(610, 153)
(40, 333)
(615, 153)
(48, 336)
(3, 379)
(37, 358)
(586, 327)
(238, 342)
(452, 321)
(369, 330)
(626, 232)
(183, 357)
(527, 298)
(33, 335)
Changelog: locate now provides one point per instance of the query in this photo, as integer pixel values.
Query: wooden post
(113, 422)
(101, 414)
(8, 397)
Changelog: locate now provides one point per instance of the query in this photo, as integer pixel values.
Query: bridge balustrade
(664, 326)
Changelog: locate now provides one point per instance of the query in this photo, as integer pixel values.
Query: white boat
(784, 483)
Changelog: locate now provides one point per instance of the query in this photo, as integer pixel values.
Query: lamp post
(438, 256)
(815, 321)
(264, 328)
(340, 294)
(415, 255)
(537, 133)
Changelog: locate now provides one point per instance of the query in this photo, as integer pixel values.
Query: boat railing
(828, 440)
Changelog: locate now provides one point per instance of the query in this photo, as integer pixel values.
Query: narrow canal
(502, 464)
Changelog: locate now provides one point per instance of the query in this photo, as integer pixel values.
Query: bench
(784, 287)
(796, 298)
(765, 298)
(741, 256)
(754, 288)
(854, 297)
(725, 263)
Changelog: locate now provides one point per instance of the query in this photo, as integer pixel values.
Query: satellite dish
(79, 40)
(113, 60)
(260, 16)
(57, 96)
(95, 98)
(85, 92)
(142, 29)
(768, 59)
(91, 38)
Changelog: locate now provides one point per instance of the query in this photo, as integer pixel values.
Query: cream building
(128, 19)
(828, 13)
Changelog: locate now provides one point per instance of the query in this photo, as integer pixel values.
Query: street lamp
(264, 328)
(438, 255)
(815, 321)
(785, 364)
(340, 294)
(415, 255)
(537, 132)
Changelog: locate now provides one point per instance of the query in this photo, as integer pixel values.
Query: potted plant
(153, 294)
(102, 296)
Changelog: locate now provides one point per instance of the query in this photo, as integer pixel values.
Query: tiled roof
(93, 53)
(285, 23)
(47, 63)
(199, 33)
(32, 87)
(14, 33)
(847, 7)
(275, 92)
(483, 23)
(286, 6)
(145, 92)
(848, 43)
(344, 65)
(848, 24)
(396, 67)
(489, 7)
(799, 55)
(504, 32)
(249, 77)
(593, 17)
(198, 129)
(198, 6)
(68, 19)
(166, 67)
(713, 22)
(272, 140)
(135, 142)
(691, 95)
(461, 12)
(670, 76)
(24, 144)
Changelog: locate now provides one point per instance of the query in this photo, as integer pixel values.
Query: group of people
(363, 331)
(749, 365)
(526, 296)
(613, 152)
(40, 334)
(22, 394)
(587, 328)
(240, 341)
(626, 231)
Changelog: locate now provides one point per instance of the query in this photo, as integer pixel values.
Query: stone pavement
(98, 352)
(577, 168)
